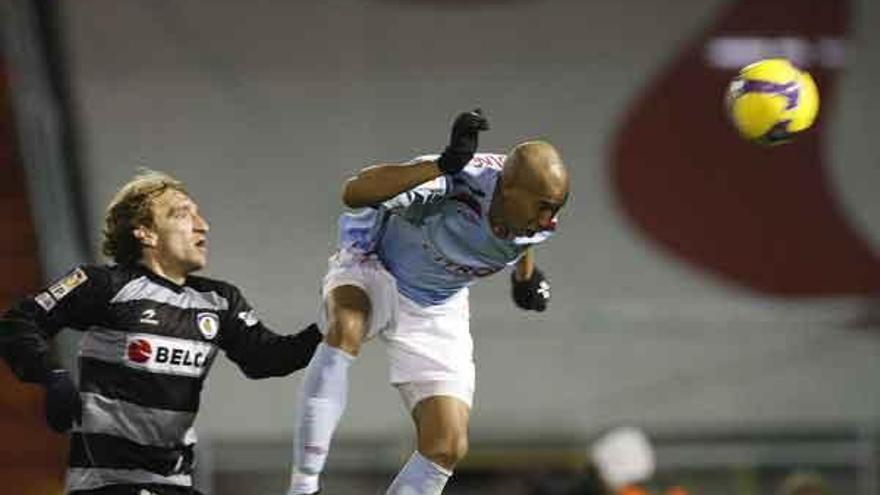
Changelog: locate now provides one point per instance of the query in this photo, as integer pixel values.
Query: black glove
(463, 141)
(63, 404)
(532, 294)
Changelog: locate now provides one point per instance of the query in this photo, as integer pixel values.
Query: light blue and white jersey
(435, 239)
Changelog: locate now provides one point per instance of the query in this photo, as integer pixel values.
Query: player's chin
(198, 261)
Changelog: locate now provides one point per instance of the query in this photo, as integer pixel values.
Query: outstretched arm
(260, 352)
(373, 185)
(379, 183)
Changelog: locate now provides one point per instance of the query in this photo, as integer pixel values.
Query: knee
(446, 450)
(346, 331)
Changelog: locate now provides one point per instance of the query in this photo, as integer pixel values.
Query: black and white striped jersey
(147, 347)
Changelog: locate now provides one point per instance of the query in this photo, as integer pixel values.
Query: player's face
(180, 232)
(524, 213)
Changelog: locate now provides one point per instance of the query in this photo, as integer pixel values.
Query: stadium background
(722, 297)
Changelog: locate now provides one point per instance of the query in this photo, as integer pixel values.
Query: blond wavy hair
(131, 208)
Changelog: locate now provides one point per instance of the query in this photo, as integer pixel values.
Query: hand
(463, 141)
(532, 294)
(63, 403)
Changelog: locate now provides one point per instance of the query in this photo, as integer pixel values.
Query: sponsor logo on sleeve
(64, 286)
(45, 301)
(209, 324)
(167, 355)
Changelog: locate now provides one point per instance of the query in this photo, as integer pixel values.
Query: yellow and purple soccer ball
(771, 101)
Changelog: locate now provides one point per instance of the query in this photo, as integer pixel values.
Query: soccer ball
(770, 101)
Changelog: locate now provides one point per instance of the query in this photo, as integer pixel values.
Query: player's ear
(145, 236)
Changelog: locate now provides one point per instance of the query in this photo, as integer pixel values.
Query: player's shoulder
(481, 173)
(86, 279)
(487, 161)
(484, 166)
(96, 275)
(116, 276)
(480, 163)
(92, 271)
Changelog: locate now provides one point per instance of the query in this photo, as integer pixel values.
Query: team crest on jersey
(64, 286)
(209, 324)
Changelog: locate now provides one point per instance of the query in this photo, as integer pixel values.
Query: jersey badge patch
(45, 301)
(209, 324)
(67, 284)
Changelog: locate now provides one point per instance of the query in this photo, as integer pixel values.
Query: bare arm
(379, 183)
(525, 266)
(374, 185)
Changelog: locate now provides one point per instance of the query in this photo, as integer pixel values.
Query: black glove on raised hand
(532, 294)
(463, 141)
(63, 404)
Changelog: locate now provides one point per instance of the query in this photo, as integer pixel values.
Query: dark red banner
(32, 458)
(763, 218)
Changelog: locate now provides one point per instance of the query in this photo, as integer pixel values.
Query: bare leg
(441, 426)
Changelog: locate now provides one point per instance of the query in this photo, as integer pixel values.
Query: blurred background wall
(264, 108)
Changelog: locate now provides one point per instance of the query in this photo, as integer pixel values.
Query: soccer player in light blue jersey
(420, 234)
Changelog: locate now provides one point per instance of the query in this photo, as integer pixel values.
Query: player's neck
(165, 270)
(495, 223)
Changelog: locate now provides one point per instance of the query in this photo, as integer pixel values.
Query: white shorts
(429, 347)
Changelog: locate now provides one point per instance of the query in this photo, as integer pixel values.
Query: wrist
(523, 273)
(452, 161)
(436, 168)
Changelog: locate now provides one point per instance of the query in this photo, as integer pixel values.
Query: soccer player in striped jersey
(425, 230)
(151, 333)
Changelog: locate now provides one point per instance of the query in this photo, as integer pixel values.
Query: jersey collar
(154, 277)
